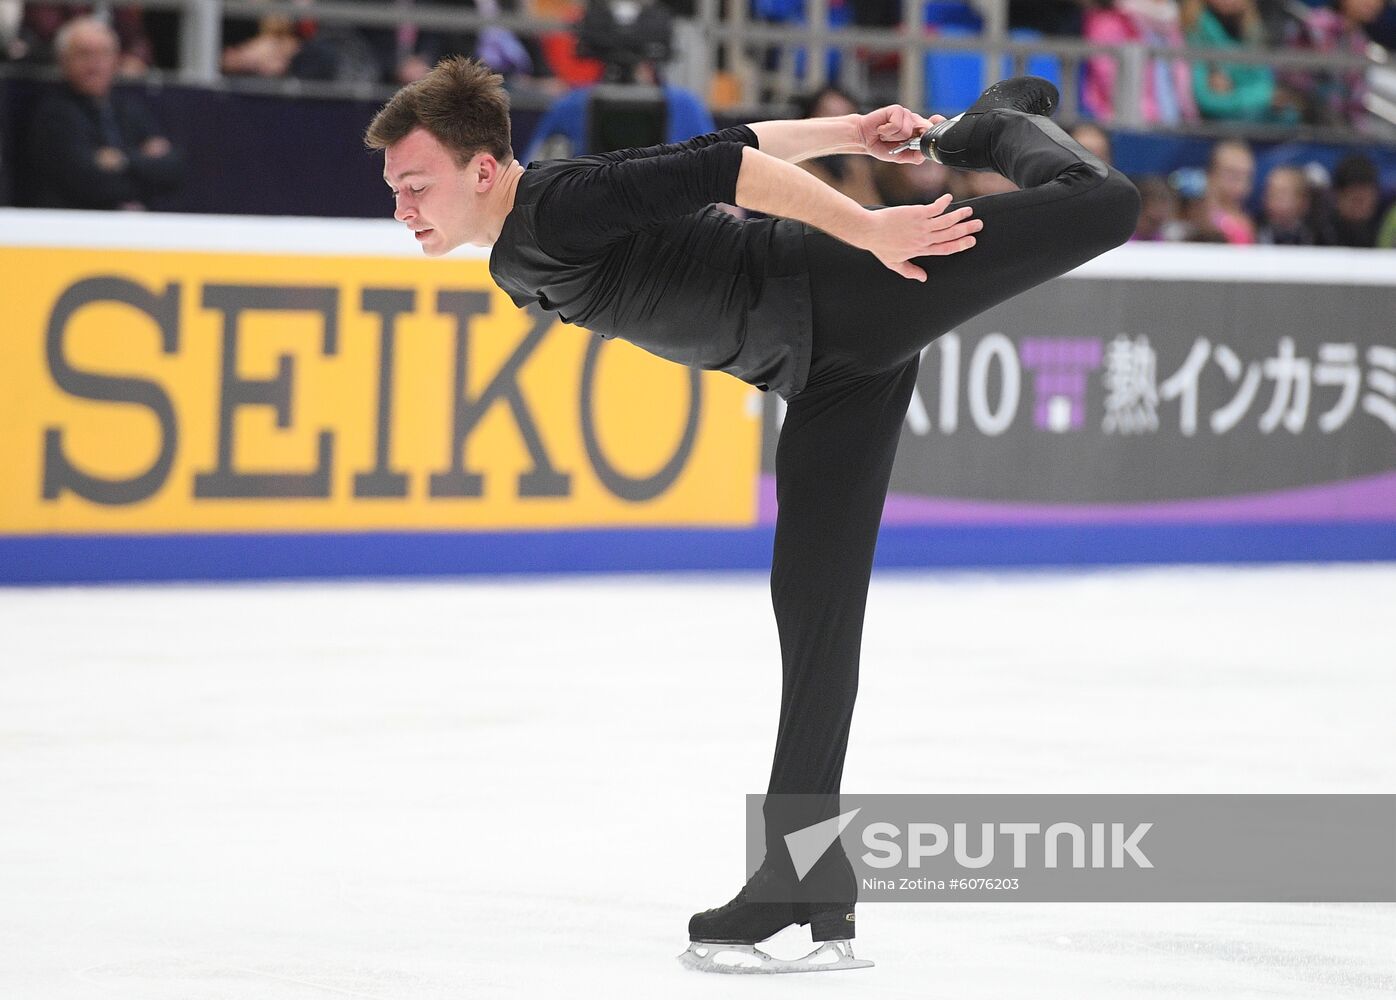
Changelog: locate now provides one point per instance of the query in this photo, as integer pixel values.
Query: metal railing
(745, 46)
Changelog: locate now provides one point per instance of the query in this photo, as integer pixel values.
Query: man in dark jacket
(90, 146)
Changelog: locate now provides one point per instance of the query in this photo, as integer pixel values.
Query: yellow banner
(156, 392)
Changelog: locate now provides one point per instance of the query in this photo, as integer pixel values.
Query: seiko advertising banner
(154, 391)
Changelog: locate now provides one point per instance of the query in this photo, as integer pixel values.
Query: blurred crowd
(93, 144)
(1175, 92)
(1299, 204)
(1295, 204)
(308, 48)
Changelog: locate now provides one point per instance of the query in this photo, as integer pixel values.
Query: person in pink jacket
(1167, 89)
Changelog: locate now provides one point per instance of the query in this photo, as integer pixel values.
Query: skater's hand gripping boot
(964, 141)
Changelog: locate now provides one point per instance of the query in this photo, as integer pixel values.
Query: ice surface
(523, 788)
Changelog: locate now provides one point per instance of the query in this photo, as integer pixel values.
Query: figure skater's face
(442, 202)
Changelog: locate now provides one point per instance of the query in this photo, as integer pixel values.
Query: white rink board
(523, 788)
(358, 237)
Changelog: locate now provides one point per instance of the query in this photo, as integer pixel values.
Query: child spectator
(1158, 213)
(1230, 179)
(1339, 27)
(1094, 140)
(1285, 209)
(1166, 93)
(1233, 91)
(1194, 221)
(1353, 214)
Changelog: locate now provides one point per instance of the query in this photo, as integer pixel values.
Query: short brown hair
(461, 102)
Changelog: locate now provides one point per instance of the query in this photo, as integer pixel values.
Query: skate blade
(913, 143)
(747, 959)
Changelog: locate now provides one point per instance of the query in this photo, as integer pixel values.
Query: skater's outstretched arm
(606, 198)
(893, 235)
(875, 134)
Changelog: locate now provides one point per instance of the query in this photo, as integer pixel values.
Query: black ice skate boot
(724, 939)
(963, 141)
(745, 920)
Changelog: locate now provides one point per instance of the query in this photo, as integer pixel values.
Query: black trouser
(834, 457)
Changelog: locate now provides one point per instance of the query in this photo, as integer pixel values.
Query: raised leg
(1071, 208)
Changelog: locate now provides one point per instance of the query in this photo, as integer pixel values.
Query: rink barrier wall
(1318, 497)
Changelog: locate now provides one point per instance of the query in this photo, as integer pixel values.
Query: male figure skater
(826, 303)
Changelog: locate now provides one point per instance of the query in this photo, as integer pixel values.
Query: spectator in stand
(559, 48)
(1166, 91)
(1095, 140)
(1284, 219)
(43, 21)
(569, 127)
(91, 146)
(1354, 212)
(1338, 27)
(406, 53)
(1158, 213)
(562, 131)
(849, 175)
(1194, 220)
(301, 48)
(1233, 91)
(267, 46)
(1230, 180)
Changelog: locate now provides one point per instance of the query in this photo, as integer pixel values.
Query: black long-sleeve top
(629, 245)
(65, 134)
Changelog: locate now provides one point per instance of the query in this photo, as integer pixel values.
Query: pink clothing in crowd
(1167, 87)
